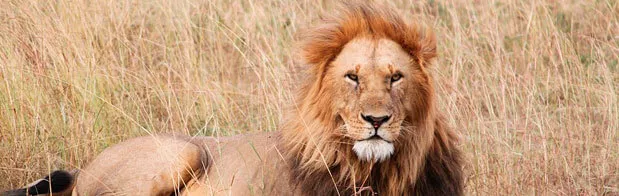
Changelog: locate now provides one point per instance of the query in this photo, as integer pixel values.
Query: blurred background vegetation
(531, 86)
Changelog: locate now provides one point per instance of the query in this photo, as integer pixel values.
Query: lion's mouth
(375, 137)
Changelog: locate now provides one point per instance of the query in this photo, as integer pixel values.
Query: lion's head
(375, 83)
(367, 100)
(367, 79)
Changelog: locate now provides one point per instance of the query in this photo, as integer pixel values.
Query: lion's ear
(421, 43)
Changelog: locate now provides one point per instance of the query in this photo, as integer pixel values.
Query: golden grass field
(531, 86)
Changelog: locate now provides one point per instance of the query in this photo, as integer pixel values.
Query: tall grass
(532, 87)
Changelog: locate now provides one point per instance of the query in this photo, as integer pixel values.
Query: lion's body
(243, 165)
(164, 165)
(141, 166)
(364, 122)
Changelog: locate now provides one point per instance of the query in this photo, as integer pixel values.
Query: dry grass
(531, 86)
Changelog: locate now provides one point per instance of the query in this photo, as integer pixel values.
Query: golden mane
(321, 159)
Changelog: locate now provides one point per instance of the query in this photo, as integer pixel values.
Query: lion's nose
(375, 121)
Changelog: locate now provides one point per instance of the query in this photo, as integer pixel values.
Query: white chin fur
(373, 150)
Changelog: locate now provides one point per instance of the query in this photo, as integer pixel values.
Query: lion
(364, 122)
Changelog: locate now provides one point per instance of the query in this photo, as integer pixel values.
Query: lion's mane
(321, 160)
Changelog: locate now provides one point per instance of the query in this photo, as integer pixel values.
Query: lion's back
(154, 161)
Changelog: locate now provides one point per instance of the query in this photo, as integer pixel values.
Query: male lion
(364, 123)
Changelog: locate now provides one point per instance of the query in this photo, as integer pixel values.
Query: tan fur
(312, 154)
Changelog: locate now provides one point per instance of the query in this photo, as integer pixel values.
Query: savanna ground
(532, 87)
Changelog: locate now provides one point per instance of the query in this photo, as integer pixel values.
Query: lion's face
(373, 79)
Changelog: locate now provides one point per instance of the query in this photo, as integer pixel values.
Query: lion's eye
(352, 77)
(396, 77)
